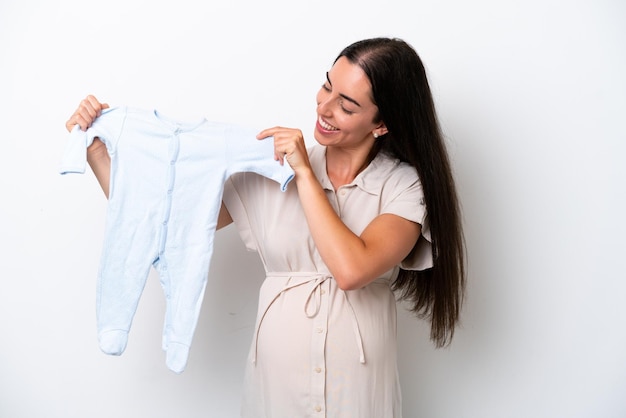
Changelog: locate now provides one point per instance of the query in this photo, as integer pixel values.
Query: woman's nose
(323, 106)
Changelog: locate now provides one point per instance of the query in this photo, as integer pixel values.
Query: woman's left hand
(288, 145)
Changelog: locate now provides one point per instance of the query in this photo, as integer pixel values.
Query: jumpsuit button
(318, 408)
(319, 330)
(318, 370)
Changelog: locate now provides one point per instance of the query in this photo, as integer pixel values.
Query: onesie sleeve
(248, 154)
(107, 127)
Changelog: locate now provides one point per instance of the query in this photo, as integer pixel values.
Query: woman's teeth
(326, 125)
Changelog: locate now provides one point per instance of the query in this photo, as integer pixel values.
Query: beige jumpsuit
(319, 351)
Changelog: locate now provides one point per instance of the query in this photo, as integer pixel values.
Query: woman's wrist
(304, 176)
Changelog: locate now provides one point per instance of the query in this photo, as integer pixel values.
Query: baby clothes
(165, 192)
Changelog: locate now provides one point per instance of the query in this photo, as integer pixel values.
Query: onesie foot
(113, 342)
(176, 357)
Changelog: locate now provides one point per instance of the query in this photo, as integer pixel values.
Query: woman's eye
(328, 89)
(346, 111)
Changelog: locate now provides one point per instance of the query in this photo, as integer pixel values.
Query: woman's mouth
(326, 126)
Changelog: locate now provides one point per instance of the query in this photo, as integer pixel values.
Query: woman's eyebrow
(348, 98)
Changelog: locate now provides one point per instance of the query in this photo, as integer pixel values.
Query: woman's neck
(342, 166)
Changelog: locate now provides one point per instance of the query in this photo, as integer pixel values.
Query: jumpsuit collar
(367, 180)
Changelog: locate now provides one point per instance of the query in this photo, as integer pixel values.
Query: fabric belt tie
(312, 305)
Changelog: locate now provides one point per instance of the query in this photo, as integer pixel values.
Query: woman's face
(346, 113)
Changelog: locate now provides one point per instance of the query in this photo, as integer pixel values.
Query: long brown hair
(401, 91)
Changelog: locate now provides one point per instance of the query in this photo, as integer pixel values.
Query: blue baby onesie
(165, 194)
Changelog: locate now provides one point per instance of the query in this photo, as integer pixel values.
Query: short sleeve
(234, 200)
(408, 202)
(421, 257)
(405, 200)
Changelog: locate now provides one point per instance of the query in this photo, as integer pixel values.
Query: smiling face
(346, 113)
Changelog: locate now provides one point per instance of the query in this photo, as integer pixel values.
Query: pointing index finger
(267, 132)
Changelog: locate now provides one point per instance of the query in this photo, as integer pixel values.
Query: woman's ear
(380, 130)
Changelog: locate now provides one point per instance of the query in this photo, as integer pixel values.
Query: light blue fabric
(165, 193)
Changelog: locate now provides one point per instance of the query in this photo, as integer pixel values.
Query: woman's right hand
(97, 156)
(88, 110)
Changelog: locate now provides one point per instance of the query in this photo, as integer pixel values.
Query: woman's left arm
(353, 260)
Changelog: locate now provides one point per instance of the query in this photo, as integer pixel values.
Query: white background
(532, 99)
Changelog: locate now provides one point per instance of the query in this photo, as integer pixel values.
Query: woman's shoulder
(388, 167)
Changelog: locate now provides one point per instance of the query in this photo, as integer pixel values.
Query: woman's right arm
(97, 156)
